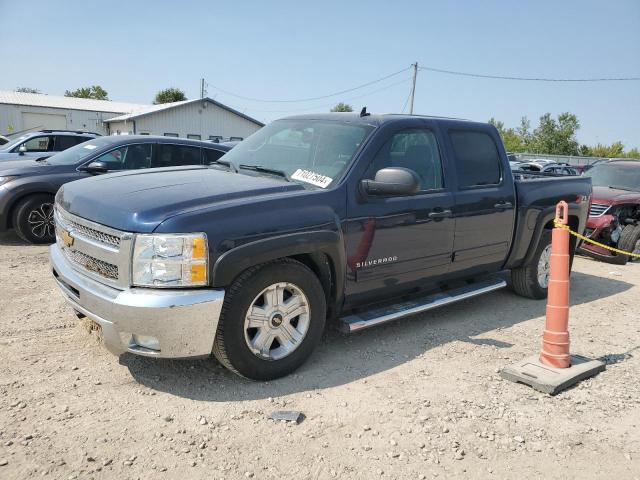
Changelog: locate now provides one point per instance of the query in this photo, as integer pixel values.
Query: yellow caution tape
(557, 224)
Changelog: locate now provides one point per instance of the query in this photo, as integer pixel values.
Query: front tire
(33, 219)
(532, 280)
(272, 319)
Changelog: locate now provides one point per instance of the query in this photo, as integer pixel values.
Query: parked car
(42, 144)
(3, 140)
(546, 167)
(614, 217)
(27, 188)
(329, 216)
(581, 169)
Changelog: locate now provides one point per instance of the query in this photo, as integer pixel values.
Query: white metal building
(201, 118)
(21, 112)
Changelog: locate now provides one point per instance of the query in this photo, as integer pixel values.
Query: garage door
(38, 121)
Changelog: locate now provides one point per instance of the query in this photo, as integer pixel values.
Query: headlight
(4, 180)
(170, 260)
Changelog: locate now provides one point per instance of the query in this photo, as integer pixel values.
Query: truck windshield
(612, 175)
(311, 152)
(77, 154)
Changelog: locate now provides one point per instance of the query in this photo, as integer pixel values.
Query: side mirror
(393, 181)
(96, 167)
(22, 149)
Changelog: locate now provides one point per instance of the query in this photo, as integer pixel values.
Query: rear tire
(529, 280)
(630, 242)
(272, 318)
(33, 219)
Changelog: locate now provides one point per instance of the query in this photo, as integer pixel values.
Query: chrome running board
(360, 321)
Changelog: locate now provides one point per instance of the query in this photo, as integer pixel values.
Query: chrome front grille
(598, 209)
(88, 232)
(102, 268)
(100, 252)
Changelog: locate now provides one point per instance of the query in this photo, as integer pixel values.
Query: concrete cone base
(548, 379)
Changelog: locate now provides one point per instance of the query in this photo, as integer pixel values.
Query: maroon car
(614, 217)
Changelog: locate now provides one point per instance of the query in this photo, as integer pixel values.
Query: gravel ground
(421, 398)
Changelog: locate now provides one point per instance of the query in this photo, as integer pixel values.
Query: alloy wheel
(277, 321)
(41, 221)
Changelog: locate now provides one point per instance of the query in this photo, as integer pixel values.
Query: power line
(530, 79)
(387, 87)
(300, 100)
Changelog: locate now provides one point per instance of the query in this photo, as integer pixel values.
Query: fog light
(146, 341)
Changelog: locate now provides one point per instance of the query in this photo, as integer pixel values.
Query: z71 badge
(377, 261)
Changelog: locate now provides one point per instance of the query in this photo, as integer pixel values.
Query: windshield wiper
(260, 168)
(226, 163)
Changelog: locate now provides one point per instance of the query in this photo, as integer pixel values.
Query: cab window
(477, 159)
(415, 149)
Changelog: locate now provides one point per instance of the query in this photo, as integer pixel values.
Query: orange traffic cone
(555, 339)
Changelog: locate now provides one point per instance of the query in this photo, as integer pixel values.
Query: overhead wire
(529, 79)
(310, 99)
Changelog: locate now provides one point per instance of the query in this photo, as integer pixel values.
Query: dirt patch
(421, 398)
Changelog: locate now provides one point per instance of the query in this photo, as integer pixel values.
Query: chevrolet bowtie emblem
(67, 239)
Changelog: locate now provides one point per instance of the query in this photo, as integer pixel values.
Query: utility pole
(413, 87)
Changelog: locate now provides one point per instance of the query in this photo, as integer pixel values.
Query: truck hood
(139, 200)
(611, 196)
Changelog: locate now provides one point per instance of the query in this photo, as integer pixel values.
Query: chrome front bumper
(184, 322)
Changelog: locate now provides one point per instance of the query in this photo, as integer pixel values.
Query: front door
(394, 241)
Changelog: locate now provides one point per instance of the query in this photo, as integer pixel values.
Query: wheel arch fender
(313, 246)
(545, 222)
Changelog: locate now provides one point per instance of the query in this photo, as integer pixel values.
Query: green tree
(169, 95)
(615, 150)
(342, 107)
(27, 90)
(95, 91)
(556, 137)
(512, 141)
(633, 153)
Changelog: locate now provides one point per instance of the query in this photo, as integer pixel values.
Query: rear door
(484, 202)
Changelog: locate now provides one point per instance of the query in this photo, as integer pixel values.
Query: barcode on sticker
(312, 177)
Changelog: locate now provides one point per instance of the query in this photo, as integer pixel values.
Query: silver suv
(42, 144)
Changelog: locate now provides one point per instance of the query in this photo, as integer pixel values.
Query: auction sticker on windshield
(312, 177)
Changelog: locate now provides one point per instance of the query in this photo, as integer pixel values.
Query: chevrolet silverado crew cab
(357, 219)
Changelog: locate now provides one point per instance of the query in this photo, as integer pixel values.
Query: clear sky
(301, 49)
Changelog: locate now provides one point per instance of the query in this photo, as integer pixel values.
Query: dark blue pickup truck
(358, 219)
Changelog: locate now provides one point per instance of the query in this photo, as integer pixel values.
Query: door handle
(503, 205)
(440, 214)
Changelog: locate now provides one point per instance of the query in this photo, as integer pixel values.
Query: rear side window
(176, 155)
(65, 141)
(211, 155)
(477, 158)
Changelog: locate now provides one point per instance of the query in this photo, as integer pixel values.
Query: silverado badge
(67, 239)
